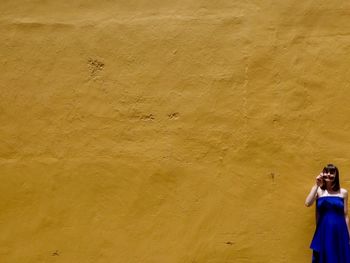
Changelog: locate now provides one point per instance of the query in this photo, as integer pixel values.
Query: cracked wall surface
(168, 131)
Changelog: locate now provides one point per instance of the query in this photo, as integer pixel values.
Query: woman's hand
(319, 180)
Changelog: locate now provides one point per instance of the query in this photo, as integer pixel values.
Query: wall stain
(95, 66)
(174, 115)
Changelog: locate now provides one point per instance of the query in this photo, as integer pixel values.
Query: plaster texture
(168, 131)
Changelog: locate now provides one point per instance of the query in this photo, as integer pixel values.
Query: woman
(330, 243)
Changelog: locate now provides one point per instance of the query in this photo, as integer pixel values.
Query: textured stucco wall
(168, 131)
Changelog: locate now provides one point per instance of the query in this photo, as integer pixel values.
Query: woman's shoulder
(343, 191)
(321, 192)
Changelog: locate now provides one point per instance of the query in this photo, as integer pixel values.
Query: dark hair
(335, 184)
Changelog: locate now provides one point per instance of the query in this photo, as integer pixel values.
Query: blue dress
(330, 243)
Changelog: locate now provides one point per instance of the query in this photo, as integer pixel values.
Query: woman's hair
(336, 184)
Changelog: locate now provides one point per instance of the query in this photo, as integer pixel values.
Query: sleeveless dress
(330, 243)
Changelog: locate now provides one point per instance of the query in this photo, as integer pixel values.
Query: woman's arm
(346, 210)
(313, 193)
(312, 196)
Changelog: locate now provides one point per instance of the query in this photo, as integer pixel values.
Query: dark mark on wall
(95, 66)
(174, 115)
(148, 117)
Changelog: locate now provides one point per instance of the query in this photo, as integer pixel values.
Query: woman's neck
(329, 187)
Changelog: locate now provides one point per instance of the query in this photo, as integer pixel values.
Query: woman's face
(329, 175)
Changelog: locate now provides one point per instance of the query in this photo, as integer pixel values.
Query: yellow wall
(168, 131)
